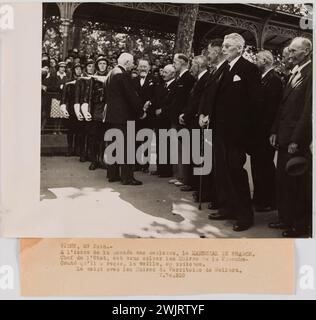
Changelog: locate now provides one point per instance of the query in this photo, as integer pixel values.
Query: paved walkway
(79, 202)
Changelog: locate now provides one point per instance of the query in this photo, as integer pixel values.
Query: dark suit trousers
(232, 179)
(124, 171)
(209, 184)
(263, 175)
(294, 195)
(96, 130)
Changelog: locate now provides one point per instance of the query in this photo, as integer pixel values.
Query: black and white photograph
(170, 120)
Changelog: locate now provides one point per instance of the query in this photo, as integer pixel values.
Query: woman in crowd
(56, 85)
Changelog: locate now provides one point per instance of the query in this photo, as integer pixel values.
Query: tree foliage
(99, 37)
(296, 9)
(102, 38)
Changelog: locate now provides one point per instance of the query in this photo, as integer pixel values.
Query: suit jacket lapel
(266, 78)
(297, 80)
(228, 78)
(146, 82)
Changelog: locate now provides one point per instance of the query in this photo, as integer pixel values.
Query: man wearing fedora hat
(292, 135)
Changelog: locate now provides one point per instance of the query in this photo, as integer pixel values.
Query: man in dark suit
(189, 117)
(292, 135)
(184, 84)
(235, 108)
(217, 65)
(145, 85)
(262, 153)
(286, 65)
(162, 103)
(123, 105)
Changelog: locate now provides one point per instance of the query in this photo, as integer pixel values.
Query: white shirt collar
(181, 73)
(119, 65)
(142, 80)
(201, 74)
(299, 69)
(169, 82)
(233, 62)
(219, 65)
(264, 74)
(62, 75)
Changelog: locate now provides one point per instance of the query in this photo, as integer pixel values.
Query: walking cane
(202, 157)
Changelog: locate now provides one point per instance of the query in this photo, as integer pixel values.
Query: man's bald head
(199, 64)
(168, 72)
(287, 62)
(300, 50)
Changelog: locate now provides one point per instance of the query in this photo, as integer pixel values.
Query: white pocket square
(236, 78)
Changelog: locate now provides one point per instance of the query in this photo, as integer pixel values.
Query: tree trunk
(186, 26)
(77, 30)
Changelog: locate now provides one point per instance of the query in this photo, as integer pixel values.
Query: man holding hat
(292, 135)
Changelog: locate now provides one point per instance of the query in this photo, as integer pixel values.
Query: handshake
(203, 120)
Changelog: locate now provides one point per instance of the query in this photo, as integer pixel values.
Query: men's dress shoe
(172, 181)
(277, 225)
(102, 165)
(93, 166)
(114, 179)
(292, 233)
(179, 184)
(222, 214)
(238, 227)
(212, 206)
(186, 188)
(83, 159)
(133, 182)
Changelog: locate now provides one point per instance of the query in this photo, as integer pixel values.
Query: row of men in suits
(240, 104)
(244, 104)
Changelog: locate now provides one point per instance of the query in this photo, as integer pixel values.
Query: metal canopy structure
(260, 26)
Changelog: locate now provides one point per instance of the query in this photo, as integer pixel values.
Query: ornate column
(186, 26)
(262, 31)
(77, 26)
(67, 10)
